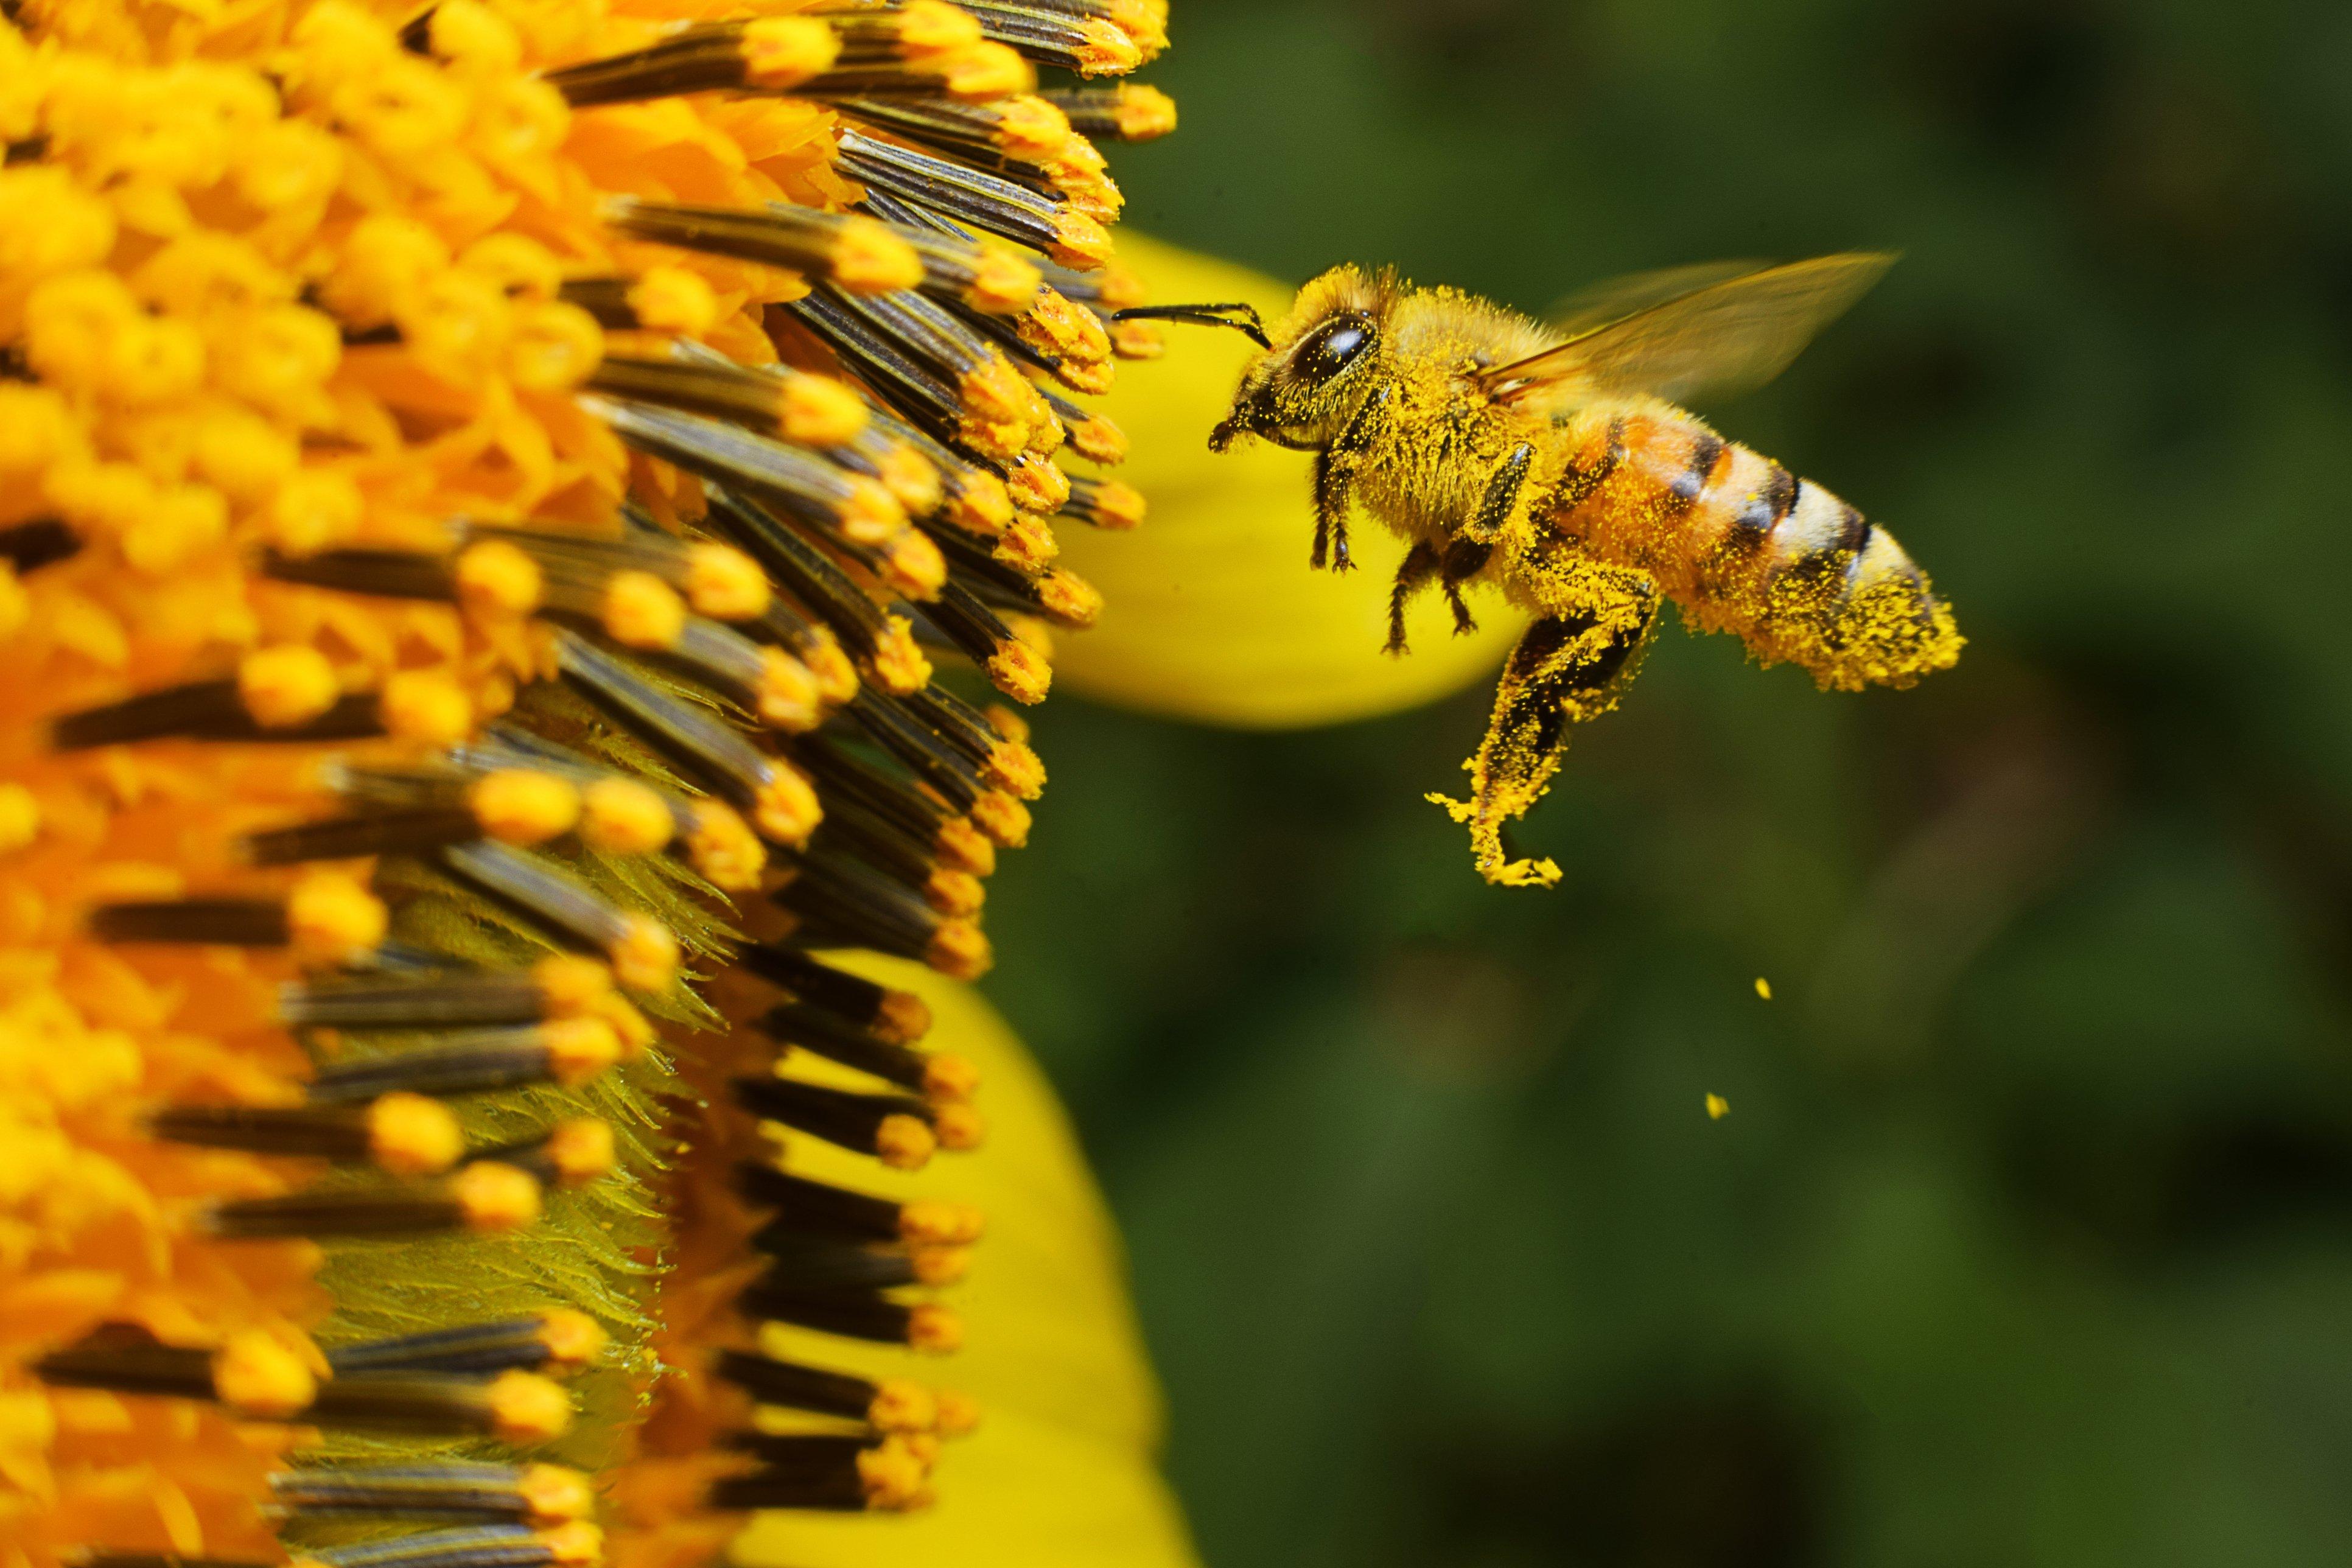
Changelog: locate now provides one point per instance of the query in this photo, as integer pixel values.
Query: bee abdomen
(1743, 545)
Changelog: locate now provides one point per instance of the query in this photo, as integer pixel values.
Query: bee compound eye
(1334, 347)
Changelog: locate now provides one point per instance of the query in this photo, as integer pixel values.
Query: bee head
(1302, 391)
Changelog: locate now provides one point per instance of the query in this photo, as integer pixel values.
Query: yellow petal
(1063, 1468)
(1213, 614)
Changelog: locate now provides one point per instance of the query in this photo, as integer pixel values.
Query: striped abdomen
(1744, 546)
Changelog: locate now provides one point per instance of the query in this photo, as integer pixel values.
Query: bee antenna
(1243, 318)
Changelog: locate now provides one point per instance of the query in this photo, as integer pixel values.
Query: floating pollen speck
(515, 521)
(1763, 988)
(1718, 1107)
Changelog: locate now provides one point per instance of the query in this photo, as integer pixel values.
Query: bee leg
(1334, 478)
(1465, 559)
(1420, 564)
(1502, 497)
(1565, 670)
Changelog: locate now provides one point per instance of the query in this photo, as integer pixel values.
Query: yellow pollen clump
(525, 1408)
(672, 299)
(787, 809)
(1020, 673)
(819, 411)
(788, 694)
(958, 1414)
(641, 611)
(905, 1142)
(575, 1545)
(940, 1224)
(627, 1022)
(934, 1329)
(425, 707)
(20, 818)
(932, 27)
(409, 1135)
(333, 919)
(867, 259)
(579, 1048)
(315, 510)
(1003, 283)
(572, 1338)
(1763, 988)
(255, 1376)
(555, 1495)
(959, 1126)
(949, 1077)
(283, 687)
(516, 805)
(581, 1149)
(899, 1406)
(1718, 1107)
(726, 584)
(941, 1265)
(572, 985)
(784, 51)
(622, 817)
(646, 957)
(1145, 113)
(890, 1476)
(499, 578)
(725, 849)
(959, 950)
(496, 1196)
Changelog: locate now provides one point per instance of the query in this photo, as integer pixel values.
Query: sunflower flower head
(511, 512)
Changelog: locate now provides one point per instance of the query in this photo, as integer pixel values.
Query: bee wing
(1725, 327)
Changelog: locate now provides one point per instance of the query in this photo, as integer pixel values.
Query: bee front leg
(1465, 559)
(1420, 564)
(1335, 480)
(1565, 670)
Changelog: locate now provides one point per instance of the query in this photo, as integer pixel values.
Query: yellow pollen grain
(787, 698)
(257, 1376)
(641, 611)
(818, 411)
(526, 1409)
(1003, 284)
(933, 1330)
(986, 70)
(867, 259)
(1718, 1107)
(933, 26)
(950, 1078)
(623, 816)
(889, 1475)
(496, 1196)
(284, 687)
(899, 1406)
(554, 1494)
(898, 663)
(581, 1149)
(786, 808)
(499, 578)
(958, 950)
(726, 584)
(518, 805)
(424, 708)
(871, 515)
(646, 957)
(1039, 488)
(905, 1142)
(672, 299)
(579, 1048)
(575, 1545)
(784, 51)
(20, 818)
(959, 1127)
(953, 892)
(941, 1266)
(571, 984)
(1763, 988)
(1004, 819)
(410, 1135)
(913, 567)
(958, 1414)
(572, 1338)
(332, 919)
(724, 848)
(1021, 674)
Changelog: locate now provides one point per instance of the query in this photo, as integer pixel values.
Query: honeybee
(1552, 461)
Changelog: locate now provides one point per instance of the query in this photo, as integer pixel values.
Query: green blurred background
(2024, 1241)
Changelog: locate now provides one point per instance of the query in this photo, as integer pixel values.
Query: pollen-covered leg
(1565, 670)
(1421, 563)
(1335, 480)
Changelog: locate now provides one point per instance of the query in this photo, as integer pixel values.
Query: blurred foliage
(2024, 1240)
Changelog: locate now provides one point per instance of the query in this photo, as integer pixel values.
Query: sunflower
(522, 518)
